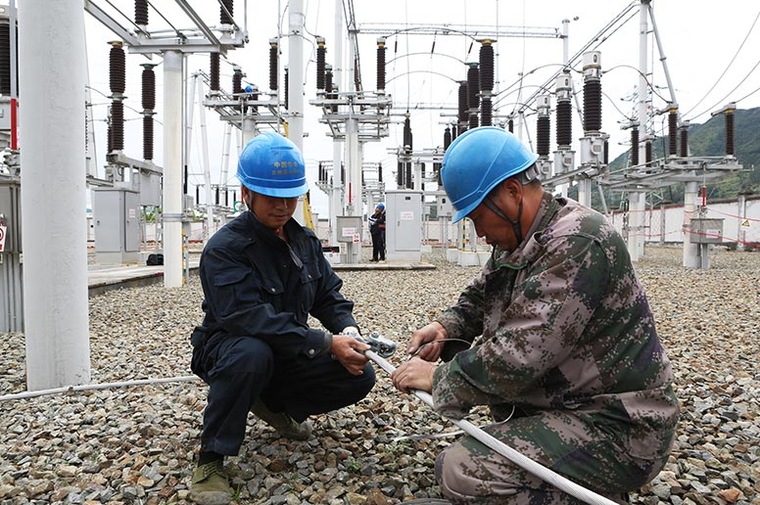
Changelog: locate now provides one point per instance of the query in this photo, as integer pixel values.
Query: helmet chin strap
(515, 223)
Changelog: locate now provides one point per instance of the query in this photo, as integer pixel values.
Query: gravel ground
(136, 445)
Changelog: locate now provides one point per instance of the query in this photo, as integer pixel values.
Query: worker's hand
(430, 333)
(348, 352)
(414, 374)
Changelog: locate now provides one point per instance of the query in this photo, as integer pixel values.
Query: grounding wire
(179, 33)
(733, 90)
(125, 16)
(748, 95)
(730, 63)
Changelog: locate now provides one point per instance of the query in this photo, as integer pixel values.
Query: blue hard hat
(477, 161)
(381, 206)
(272, 165)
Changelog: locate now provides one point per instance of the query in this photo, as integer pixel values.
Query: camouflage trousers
(469, 472)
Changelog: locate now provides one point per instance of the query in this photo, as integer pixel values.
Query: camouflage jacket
(565, 324)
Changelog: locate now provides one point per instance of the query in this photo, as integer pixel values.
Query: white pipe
(189, 120)
(53, 198)
(206, 164)
(690, 251)
(225, 156)
(297, 21)
(553, 478)
(91, 387)
(172, 214)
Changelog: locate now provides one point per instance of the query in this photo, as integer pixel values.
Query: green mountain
(707, 139)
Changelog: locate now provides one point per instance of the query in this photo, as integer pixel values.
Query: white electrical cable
(553, 478)
(89, 387)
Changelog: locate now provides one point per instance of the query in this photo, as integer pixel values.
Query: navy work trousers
(239, 370)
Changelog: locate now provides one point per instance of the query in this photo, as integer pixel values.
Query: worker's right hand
(429, 333)
(349, 352)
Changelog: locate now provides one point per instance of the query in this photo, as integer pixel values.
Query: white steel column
(206, 164)
(637, 209)
(297, 20)
(584, 191)
(690, 251)
(336, 195)
(172, 214)
(53, 194)
(353, 156)
(638, 200)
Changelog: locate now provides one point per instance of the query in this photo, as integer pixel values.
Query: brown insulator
(224, 17)
(214, 73)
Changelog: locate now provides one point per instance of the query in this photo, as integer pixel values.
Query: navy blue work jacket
(256, 284)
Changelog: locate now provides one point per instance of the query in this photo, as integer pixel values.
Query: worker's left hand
(348, 351)
(414, 374)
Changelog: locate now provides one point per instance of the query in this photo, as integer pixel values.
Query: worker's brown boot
(210, 484)
(283, 423)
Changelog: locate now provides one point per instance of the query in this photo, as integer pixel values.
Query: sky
(708, 49)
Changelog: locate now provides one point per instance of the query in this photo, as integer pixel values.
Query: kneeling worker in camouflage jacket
(567, 351)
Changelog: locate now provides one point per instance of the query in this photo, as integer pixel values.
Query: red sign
(2, 238)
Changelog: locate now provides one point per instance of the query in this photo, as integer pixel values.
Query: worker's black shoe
(210, 484)
(283, 423)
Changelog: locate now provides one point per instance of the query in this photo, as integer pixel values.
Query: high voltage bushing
(648, 152)
(408, 140)
(592, 91)
(148, 138)
(511, 124)
(117, 79)
(117, 68)
(357, 76)
(563, 92)
(117, 125)
(224, 17)
(453, 132)
(673, 132)
(543, 135)
(543, 125)
(729, 113)
(342, 172)
(5, 57)
(446, 138)
(214, 73)
(148, 104)
(237, 80)
(684, 139)
(462, 116)
(321, 51)
(400, 175)
(473, 90)
(381, 64)
(148, 87)
(287, 88)
(328, 79)
(606, 156)
(409, 178)
(380, 172)
(634, 145)
(216, 199)
(141, 12)
(486, 65)
(330, 92)
(486, 112)
(273, 57)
